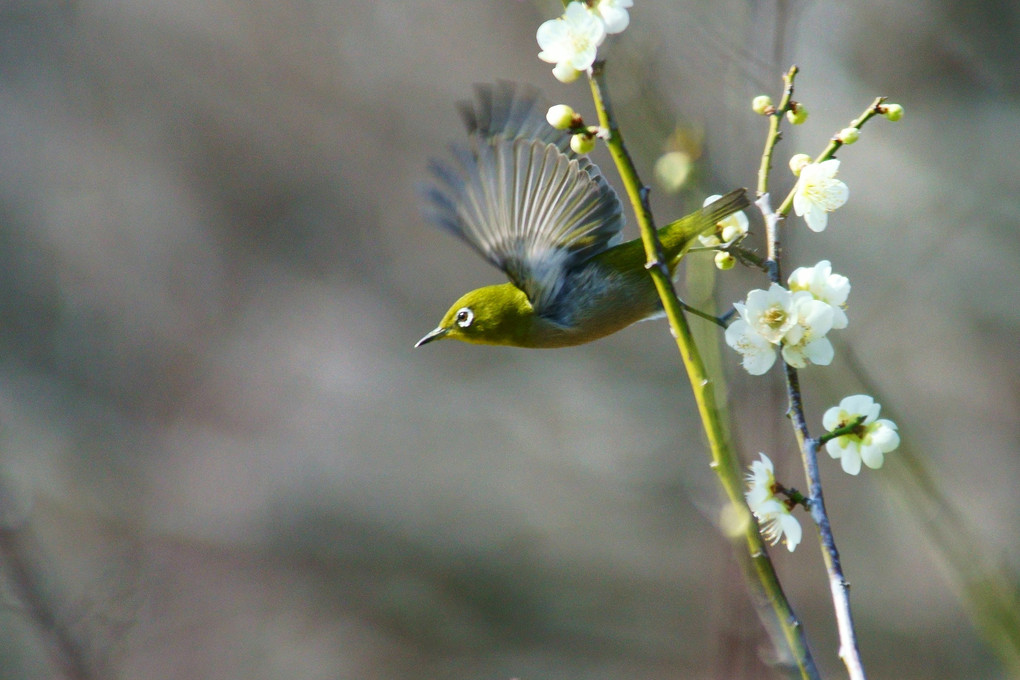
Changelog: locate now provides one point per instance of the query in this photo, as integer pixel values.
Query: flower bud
(848, 135)
(892, 111)
(724, 260)
(582, 143)
(798, 161)
(797, 114)
(560, 116)
(761, 104)
(565, 73)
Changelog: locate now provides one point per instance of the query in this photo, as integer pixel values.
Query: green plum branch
(724, 460)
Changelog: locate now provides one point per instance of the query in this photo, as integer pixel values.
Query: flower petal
(760, 363)
(861, 405)
(794, 355)
(792, 529)
(885, 436)
(831, 418)
(819, 351)
(816, 217)
(827, 169)
(836, 194)
(800, 203)
(835, 448)
(872, 456)
(851, 460)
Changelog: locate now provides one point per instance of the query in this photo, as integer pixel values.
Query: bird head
(493, 315)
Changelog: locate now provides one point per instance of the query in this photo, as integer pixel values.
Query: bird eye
(464, 317)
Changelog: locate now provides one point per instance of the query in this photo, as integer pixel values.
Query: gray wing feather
(520, 198)
(512, 111)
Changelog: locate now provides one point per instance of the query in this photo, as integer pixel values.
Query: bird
(548, 218)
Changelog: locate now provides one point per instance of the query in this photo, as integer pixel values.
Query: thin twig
(849, 651)
(830, 151)
(772, 244)
(838, 585)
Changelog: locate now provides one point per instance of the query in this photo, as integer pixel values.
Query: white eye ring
(464, 317)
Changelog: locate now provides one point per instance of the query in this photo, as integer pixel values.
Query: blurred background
(220, 456)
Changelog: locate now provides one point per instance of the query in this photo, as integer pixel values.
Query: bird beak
(433, 335)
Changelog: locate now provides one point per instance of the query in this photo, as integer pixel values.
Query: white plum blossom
(571, 41)
(726, 229)
(806, 340)
(818, 193)
(764, 319)
(758, 353)
(773, 513)
(793, 320)
(760, 482)
(830, 288)
(869, 442)
(769, 312)
(614, 14)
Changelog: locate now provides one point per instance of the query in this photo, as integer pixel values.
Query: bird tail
(676, 237)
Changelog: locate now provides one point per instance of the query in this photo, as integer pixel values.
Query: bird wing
(519, 197)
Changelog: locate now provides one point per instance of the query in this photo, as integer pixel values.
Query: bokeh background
(221, 458)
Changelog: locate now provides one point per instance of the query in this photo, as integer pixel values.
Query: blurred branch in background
(33, 593)
(987, 590)
(38, 602)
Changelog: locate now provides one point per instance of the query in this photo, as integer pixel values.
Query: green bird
(549, 219)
